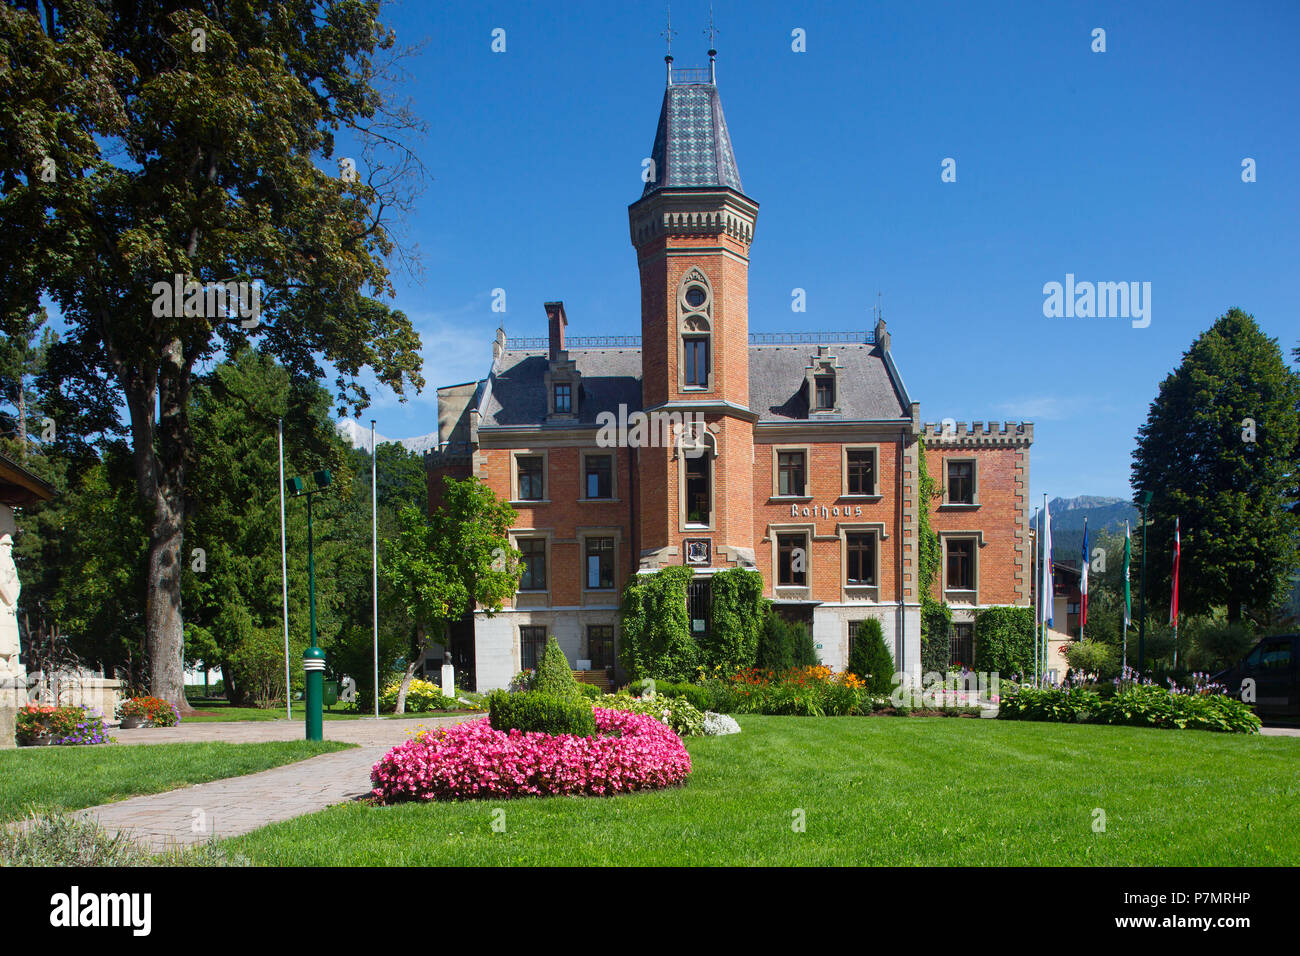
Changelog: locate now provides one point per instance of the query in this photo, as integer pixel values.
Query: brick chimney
(555, 323)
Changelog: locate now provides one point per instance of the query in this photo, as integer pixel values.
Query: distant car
(1271, 664)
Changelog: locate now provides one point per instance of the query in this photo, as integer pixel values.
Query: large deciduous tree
(1217, 451)
(152, 144)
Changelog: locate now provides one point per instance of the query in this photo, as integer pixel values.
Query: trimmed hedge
(533, 711)
(1134, 706)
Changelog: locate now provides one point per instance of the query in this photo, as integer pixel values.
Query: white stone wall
(496, 651)
(497, 655)
(831, 632)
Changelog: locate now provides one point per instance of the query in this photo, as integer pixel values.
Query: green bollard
(313, 662)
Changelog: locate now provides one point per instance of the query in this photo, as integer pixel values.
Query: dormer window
(563, 398)
(820, 383)
(825, 393)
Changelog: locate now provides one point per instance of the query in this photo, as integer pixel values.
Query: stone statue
(9, 588)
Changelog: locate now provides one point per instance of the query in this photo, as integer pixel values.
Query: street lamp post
(1144, 502)
(313, 659)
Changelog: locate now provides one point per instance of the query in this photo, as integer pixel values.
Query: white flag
(1045, 595)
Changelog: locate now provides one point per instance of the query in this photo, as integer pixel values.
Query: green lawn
(880, 790)
(69, 778)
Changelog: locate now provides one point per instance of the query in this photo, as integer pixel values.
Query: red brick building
(795, 454)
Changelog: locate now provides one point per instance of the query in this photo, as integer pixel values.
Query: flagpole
(1050, 589)
(1083, 578)
(374, 552)
(1038, 590)
(284, 583)
(1128, 606)
(1037, 585)
(1173, 607)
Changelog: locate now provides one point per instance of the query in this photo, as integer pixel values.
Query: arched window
(694, 319)
(697, 450)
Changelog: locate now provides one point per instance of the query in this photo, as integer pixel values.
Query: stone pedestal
(13, 696)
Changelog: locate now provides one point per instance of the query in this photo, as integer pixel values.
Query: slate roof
(692, 146)
(863, 386)
(516, 393)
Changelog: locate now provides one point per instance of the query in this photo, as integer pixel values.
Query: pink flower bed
(629, 752)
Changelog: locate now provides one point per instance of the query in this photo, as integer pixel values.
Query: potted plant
(147, 712)
(43, 725)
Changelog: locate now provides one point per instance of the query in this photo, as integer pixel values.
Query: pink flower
(630, 752)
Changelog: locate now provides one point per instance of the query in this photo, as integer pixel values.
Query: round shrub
(589, 691)
(535, 711)
(464, 761)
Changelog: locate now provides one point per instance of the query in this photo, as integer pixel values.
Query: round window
(695, 297)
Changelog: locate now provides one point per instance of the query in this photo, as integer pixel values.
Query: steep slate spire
(692, 146)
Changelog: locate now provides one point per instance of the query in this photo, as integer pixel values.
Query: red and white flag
(1173, 603)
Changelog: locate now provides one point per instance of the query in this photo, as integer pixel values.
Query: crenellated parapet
(954, 434)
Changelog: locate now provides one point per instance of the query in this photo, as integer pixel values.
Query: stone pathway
(1280, 730)
(238, 805)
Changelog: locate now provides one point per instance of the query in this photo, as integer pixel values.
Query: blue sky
(1122, 166)
(1115, 166)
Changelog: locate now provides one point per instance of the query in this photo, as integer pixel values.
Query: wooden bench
(598, 678)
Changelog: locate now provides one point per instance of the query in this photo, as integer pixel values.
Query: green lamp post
(313, 659)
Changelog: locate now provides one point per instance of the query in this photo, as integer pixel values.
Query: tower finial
(668, 35)
(712, 33)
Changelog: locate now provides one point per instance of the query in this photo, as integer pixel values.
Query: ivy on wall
(737, 618)
(656, 635)
(936, 619)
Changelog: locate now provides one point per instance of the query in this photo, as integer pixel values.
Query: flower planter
(45, 740)
(131, 723)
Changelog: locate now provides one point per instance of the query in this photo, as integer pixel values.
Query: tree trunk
(159, 457)
(421, 645)
(1234, 610)
(163, 622)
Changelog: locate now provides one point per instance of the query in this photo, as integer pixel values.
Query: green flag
(1128, 598)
